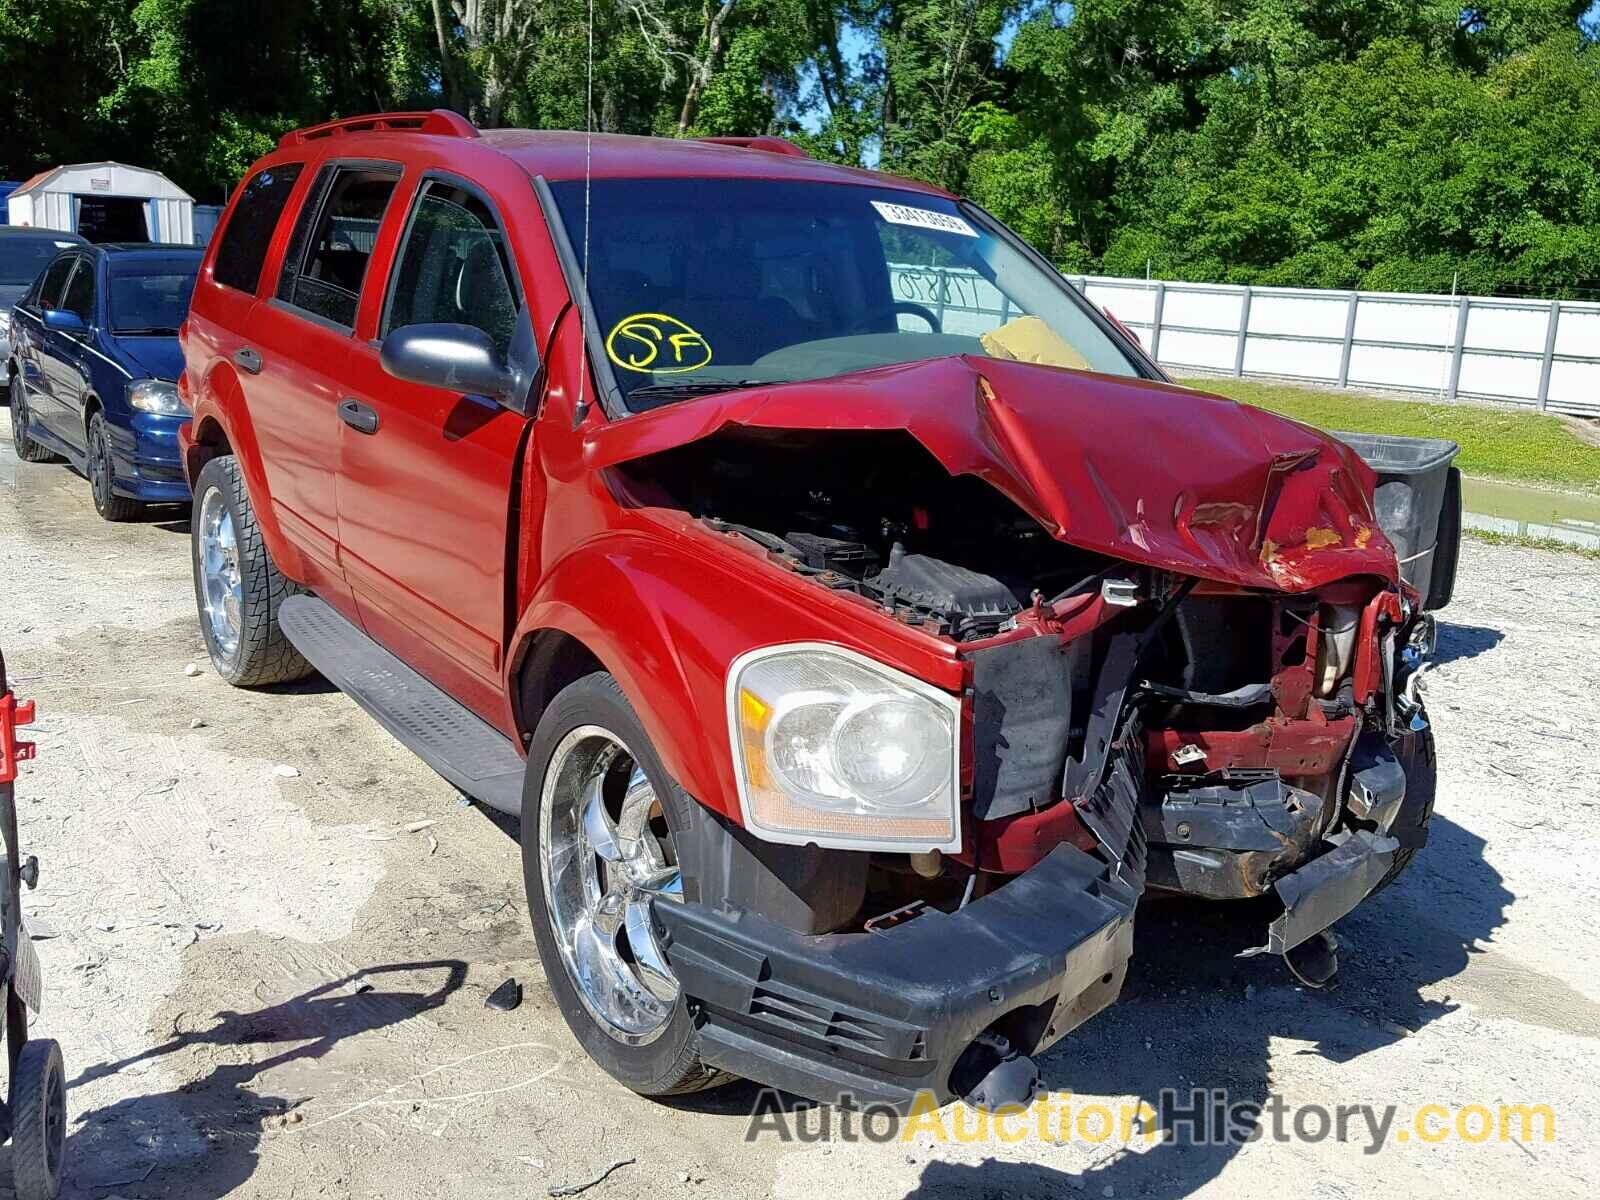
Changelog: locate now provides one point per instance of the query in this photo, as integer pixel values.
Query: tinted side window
(80, 292)
(453, 267)
(55, 278)
(244, 242)
(327, 260)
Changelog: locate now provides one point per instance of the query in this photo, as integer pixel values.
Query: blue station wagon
(93, 370)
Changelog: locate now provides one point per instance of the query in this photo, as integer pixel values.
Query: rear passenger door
(426, 480)
(298, 342)
(33, 343)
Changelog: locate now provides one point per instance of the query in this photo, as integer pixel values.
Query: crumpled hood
(1141, 471)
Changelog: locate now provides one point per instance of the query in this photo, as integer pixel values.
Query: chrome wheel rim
(605, 856)
(222, 595)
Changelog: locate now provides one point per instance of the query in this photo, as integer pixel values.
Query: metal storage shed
(105, 202)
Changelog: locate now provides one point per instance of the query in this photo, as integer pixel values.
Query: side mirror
(62, 321)
(458, 358)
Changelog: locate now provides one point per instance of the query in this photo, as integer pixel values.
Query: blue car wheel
(27, 449)
(102, 475)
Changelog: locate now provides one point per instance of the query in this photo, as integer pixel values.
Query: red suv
(857, 620)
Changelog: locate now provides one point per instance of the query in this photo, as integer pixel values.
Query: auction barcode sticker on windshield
(923, 218)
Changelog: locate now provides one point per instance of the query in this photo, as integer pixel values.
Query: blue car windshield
(149, 304)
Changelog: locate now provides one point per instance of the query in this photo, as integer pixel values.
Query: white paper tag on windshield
(923, 218)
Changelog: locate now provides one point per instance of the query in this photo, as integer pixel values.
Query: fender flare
(615, 603)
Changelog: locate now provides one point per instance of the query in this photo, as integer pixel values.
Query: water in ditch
(1568, 517)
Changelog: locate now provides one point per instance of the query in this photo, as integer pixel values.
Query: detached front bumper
(874, 1018)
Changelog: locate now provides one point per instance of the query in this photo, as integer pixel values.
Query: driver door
(427, 476)
(64, 363)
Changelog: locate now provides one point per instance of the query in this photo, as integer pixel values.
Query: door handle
(358, 416)
(248, 360)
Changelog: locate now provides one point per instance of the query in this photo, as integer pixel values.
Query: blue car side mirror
(66, 322)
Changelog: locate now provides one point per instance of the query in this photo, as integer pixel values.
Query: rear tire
(665, 1059)
(27, 449)
(39, 1113)
(238, 589)
(102, 474)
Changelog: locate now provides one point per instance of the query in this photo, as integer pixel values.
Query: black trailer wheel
(39, 1121)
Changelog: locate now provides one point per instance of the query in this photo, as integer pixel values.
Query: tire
(27, 449)
(102, 473)
(669, 1064)
(1420, 762)
(39, 1114)
(258, 654)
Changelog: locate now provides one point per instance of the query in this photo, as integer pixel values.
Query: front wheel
(236, 585)
(22, 441)
(103, 475)
(598, 815)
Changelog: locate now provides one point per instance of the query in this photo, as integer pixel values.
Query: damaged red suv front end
(1177, 625)
(859, 623)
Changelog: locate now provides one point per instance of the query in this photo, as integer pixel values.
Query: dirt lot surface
(266, 986)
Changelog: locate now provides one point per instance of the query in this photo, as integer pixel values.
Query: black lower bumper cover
(874, 1018)
(1328, 887)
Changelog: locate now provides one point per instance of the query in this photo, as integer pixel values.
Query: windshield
(152, 304)
(22, 258)
(701, 284)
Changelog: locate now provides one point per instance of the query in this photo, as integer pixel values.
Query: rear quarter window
(243, 248)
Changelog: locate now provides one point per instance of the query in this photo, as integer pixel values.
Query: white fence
(1542, 353)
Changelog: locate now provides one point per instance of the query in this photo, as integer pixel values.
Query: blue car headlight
(156, 396)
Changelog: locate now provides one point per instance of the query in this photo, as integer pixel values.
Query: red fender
(667, 621)
(219, 402)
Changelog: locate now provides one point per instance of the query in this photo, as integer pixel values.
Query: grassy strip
(1490, 537)
(1523, 447)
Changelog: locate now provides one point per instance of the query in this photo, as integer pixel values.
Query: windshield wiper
(151, 331)
(702, 387)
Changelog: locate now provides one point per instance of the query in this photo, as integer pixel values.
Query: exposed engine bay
(1205, 738)
(875, 514)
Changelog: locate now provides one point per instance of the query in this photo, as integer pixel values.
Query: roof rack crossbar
(767, 142)
(440, 121)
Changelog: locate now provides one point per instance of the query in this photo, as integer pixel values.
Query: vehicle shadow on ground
(200, 1140)
(1464, 641)
(1194, 1016)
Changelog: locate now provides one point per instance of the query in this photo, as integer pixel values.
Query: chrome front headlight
(156, 396)
(834, 749)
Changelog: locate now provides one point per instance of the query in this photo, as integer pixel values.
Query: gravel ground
(266, 986)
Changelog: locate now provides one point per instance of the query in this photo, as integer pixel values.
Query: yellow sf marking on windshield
(657, 343)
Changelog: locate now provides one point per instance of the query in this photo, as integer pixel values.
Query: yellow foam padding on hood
(1030, 340)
